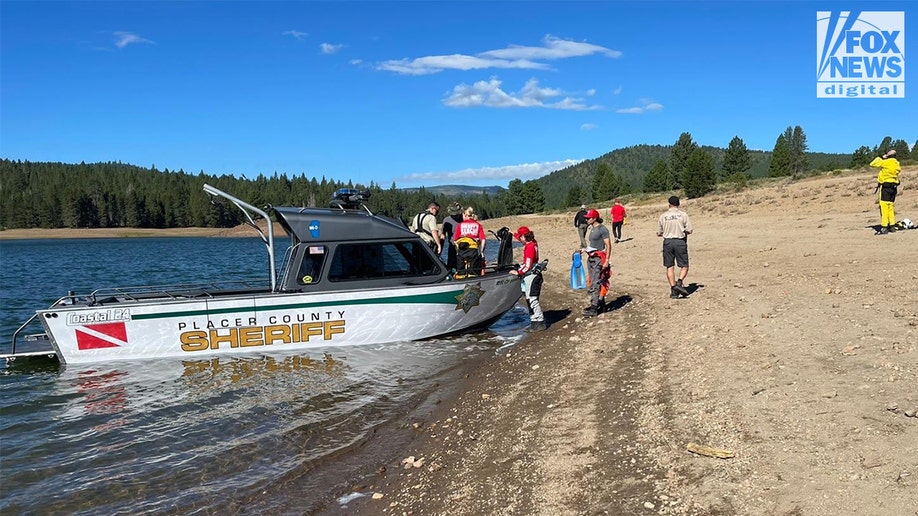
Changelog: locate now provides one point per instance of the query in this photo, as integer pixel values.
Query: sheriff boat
(349, 277)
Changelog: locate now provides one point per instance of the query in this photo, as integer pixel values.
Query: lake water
(280, 433)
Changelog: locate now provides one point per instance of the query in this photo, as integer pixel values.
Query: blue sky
(417, 93)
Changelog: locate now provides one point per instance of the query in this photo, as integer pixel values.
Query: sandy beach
(794, 357)
(785, 384)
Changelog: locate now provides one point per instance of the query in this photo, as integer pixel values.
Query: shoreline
(88, 233)
(788, 357)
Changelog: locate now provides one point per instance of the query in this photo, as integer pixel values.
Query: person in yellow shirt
(887, 185)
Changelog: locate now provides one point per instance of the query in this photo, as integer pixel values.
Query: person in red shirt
(470, 228)
(531, 273)
(618, 219)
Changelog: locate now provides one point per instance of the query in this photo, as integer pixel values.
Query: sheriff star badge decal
(470, 296)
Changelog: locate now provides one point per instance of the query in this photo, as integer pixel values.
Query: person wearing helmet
(531, 273)
(598, 264)
(887, 184)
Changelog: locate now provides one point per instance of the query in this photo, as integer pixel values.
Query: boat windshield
(382, 260)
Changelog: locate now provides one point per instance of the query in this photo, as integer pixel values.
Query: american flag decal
(97, 336)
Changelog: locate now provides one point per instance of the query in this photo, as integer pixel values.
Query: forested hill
(633, 163)
(58, 195)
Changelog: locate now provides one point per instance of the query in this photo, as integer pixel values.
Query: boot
(680, 289)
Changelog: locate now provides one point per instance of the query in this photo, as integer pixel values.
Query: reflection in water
(202, 436)
(244, 370)
(103, 394)
(183, 435)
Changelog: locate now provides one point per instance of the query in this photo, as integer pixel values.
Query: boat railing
(19, 330)
(247, 210)
(177, 291)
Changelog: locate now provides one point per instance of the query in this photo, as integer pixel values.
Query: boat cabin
(347, 249)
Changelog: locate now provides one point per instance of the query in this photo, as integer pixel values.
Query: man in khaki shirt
(675, 227)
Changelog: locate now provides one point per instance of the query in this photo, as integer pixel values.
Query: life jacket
(418, 223)
(467, 244)
(468, 257)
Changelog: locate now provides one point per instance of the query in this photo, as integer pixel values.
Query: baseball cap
(592, 214)
(522, 231)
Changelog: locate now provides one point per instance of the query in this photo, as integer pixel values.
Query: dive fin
(578, 274)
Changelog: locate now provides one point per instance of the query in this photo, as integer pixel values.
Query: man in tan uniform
(675, 227)
(425, 225)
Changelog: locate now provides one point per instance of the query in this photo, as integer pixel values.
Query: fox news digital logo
(860, 54)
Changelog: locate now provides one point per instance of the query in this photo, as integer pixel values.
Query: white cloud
(295, 34)
(329, 48)
(618, 91)
(525, 171)
(489, 94)
(644, 105)
(436, 64)
(517, 57)
(554, 48)
(588, 127)
(123, 39)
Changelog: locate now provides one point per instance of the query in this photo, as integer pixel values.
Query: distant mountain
(458, 190)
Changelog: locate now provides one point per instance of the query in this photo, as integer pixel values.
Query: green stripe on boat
(437, 298)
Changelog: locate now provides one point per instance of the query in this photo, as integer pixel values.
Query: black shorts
(888, 192)
(675, 252)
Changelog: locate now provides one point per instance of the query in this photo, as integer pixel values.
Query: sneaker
(591, 311)
(680, 289)
(537, 326)
(883, 231)
(673, 294)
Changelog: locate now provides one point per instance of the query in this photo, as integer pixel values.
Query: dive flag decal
(96, 336)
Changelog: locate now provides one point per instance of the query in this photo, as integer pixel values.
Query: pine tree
(659, 179)
(534, 198)
(902, 150)
(884, 146)
(600, 179)
(736, 159)
(780, 159)
(678, 160)
(515, 199)
(797, 147)
(700, 176)
(574, 197)
(861, 157)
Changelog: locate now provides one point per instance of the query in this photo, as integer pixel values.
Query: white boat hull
(263, 322)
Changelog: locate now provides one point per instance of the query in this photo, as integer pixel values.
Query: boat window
(311, 266)
(382, 260)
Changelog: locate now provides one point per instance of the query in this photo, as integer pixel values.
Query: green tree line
(113, 194)
(106, 195)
